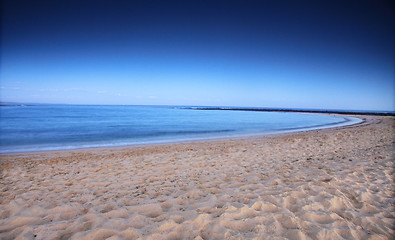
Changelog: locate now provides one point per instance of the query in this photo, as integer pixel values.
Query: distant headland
(345, 112)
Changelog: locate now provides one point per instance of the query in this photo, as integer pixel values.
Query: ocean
(59, 127)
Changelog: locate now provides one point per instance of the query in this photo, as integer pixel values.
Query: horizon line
(213, 107)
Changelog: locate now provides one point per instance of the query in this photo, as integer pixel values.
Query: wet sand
(323, 184)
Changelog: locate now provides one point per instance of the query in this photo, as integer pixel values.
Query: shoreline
(334, 183)
(366, 120)
(213, 138)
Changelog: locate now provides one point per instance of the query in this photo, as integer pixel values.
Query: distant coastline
(345, 112)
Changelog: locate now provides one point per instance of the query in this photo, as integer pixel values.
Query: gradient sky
(296, 54)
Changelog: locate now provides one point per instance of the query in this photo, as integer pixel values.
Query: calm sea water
(51, 127)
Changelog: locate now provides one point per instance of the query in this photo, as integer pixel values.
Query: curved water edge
(77, 127)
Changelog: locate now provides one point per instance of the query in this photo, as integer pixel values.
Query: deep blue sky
(304, 54)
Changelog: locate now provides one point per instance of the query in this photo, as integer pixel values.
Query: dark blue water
(50, 127)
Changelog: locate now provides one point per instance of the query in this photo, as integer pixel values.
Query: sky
(250, 53)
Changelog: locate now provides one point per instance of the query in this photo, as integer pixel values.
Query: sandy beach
(322, 184)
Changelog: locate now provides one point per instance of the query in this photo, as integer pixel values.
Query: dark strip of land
(296, 111)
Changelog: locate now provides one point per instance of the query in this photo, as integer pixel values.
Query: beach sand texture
(325, 184)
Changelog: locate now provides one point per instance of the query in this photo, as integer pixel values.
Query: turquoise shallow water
(52, 127)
